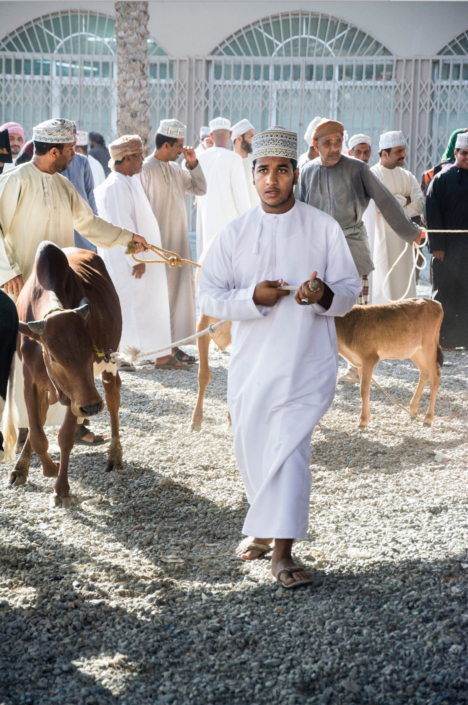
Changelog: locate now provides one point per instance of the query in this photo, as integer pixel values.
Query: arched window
(74, 32)
(301, 34)
(457, 47)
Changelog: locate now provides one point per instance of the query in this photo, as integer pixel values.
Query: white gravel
(132, 595)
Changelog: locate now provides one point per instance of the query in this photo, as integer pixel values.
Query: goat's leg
(420, 361)
(66, 439)
(112, 384)
(204, 374)
(434, 381)
(366, 370)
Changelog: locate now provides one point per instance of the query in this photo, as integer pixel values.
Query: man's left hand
(138, 270)
(140, 243)
(190, 157)
(305, 297)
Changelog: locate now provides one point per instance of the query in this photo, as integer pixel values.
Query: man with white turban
(388, 245)
(284, 358)
(36, 204)
(227, 195)
(165, 184)
(241, 134)
(142, 289)
(16, 134)
(82, 148)
(342, 187)
(311, 152)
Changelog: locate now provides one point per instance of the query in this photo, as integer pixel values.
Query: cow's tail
(10, 417)
(440, 356)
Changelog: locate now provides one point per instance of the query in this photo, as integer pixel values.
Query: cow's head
(67, 349)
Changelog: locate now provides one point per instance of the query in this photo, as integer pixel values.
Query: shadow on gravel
(391, 634)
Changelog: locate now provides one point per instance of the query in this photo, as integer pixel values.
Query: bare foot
(251, 548)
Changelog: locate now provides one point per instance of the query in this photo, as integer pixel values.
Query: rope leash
(172, 259)
(395, 402)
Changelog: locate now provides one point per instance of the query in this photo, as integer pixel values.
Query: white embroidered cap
(240, 128)
(275, 142)
(391, 139)
(81, 138)
(172, 128)
(462, 141)
(359, 139)
(220, 123)
(55, 131)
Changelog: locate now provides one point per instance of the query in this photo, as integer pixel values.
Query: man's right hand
(439, 254)
(14, 286)
(268, 293)
(417, 240)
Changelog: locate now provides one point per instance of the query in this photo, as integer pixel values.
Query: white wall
(193, 28)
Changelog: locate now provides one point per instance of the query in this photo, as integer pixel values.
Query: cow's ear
(25, 329)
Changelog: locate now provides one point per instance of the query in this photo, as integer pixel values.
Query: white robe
(144, 302)
(99, 175)
(226, 197)
(368, 219)
(388, 246)
(284, 359)
(253, 194)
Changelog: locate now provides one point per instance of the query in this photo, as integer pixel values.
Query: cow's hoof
(428, 422)
(17, 477)
(60, 502)
(363, 426)
(114, 465)
(195, 426)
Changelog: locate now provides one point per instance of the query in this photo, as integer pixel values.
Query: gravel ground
(132, 596)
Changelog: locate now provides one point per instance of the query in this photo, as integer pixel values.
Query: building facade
(375, 66)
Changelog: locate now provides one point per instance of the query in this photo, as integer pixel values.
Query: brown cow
(367, 334)
(73, 323)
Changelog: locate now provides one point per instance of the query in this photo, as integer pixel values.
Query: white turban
(172, 128)
(55, 131)
(204, 132)
(240, 128)
(462, 141)
(220, 123)
(311, 129)
(391, 139)
(359, 139)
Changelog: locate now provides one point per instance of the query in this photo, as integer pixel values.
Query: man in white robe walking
(284, 358)
(205, 140)
(241, 134)
(311, 153)
(165, 184)
(388, 246)
(97, 170)
(227, 195)
(142, 289)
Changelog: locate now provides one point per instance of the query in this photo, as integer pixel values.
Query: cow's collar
(106, 356)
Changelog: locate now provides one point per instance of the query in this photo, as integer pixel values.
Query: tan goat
(366, 335)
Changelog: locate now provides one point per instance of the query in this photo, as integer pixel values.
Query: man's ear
(25, 329)
(296, 176)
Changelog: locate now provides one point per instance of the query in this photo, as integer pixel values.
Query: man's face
(274, 179)
(16, 143)
(246, 143)
(207, 142)
(329, 148)
(362, 152)
(134, 163)
(175, 150)
(395, 157)
(461, 158)
(62, 159)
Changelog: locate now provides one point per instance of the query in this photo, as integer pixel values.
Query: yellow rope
(395, 402)
(173, 259)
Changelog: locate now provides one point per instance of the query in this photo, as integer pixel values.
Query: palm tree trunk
(133, 87)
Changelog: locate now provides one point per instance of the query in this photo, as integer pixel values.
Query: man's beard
(246, 146)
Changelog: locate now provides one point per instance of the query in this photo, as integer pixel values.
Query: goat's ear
(25, 329)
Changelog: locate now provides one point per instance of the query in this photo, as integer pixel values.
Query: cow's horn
(37, 327)
(83, 311)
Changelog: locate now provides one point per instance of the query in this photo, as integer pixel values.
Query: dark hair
(96, 137)
(41, 148)
(84, 147)
(118, 161)
(293, 162)
(162, 139)
(385, 150)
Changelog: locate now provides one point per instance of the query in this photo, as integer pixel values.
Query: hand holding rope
(172, 259)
